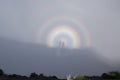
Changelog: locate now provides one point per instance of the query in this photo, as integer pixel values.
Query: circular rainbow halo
(63, 36)
(63, 32)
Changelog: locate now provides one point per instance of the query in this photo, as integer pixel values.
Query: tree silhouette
(41, 75)
(33, 75)
(1, 72)
(104, 75)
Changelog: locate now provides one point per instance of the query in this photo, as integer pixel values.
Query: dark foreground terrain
(113, 75)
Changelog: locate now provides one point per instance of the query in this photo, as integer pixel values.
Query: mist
(21, 20)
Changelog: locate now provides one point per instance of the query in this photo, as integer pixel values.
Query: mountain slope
(24, 58)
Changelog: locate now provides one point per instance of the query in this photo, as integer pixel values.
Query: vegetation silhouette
(80, 78)
(113, 75)
(1, 72)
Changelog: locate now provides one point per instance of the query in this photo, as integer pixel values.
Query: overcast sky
(21, 19)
